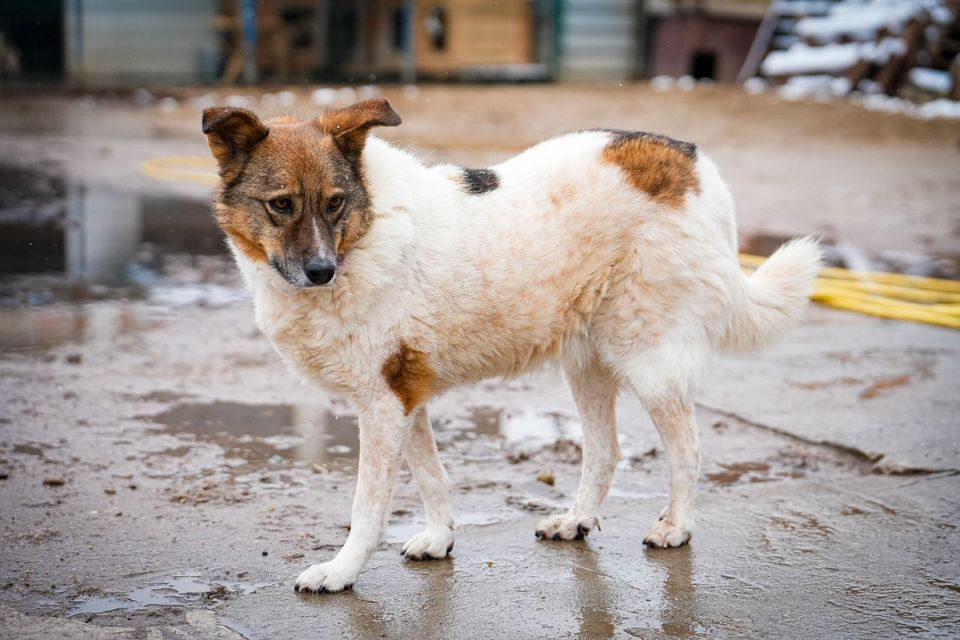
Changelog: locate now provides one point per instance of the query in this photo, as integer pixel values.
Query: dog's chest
(316, 343)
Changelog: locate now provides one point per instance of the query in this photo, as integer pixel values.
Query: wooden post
(248, 17)
(409, 72)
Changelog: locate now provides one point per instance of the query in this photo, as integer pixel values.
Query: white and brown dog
(613, 253)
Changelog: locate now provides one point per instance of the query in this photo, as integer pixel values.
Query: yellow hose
(182, 169)
(887, 295)
(913, 282)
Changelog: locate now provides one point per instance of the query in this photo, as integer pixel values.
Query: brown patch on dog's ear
(232, 133)
(409, 375)
(349, 126)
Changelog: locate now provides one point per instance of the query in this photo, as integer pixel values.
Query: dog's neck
(396, 179)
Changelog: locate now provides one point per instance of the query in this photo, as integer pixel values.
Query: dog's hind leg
(384, 430)
(665, 379)
(595, 392)
(425, 466)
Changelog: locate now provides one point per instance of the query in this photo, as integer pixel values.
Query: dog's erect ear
(349, 126)
(232, 133)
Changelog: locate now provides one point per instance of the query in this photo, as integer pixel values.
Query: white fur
(565, 260)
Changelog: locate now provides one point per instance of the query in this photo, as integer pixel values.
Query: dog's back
(569, 242)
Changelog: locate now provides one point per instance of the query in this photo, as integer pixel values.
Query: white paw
(432, 544)
(668, 533)
(328, 577)
(565, 527)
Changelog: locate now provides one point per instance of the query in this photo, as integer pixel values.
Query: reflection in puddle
(259, 434)
(515, 426)
(400, 532)
(275, 433)
(40, 327)
(184, 589)
(112, 244)
(92, 232)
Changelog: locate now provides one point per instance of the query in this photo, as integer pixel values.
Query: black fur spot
(479, 181)
(620, 136)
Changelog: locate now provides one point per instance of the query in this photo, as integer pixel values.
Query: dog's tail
(772, 299)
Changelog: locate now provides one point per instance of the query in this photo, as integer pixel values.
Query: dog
(612, 253)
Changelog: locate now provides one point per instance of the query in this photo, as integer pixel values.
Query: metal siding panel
(140, 41)
(598, 38)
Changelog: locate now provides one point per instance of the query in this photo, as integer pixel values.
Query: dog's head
(292, 191)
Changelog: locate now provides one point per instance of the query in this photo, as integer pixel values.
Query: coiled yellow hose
(887, 295)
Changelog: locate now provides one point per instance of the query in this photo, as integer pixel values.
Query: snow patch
(932, 80)
(862, 20)
(801, 58)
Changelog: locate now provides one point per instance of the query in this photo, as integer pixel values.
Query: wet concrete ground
(163, 476)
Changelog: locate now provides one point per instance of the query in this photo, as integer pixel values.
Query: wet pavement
(163, 476)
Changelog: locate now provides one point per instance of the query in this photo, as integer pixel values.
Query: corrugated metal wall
(139, 41)
(598, 39)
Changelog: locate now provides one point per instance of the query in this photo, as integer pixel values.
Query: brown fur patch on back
(659, 166)
(409, 375)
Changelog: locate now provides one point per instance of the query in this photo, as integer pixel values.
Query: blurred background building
(835, 45)
(117, 42)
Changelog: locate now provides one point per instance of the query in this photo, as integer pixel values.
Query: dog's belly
(509, 330)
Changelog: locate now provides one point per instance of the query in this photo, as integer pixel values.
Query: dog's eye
(334, 203)
(281, 205)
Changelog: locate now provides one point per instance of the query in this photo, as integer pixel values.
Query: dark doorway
(35, 29)
(704, 65)
(342, 28)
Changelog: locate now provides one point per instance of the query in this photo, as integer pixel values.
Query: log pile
(904, 48)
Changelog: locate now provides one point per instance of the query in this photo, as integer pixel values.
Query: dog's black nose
(320, 271)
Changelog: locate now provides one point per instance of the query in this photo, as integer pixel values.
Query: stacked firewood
(905, 48)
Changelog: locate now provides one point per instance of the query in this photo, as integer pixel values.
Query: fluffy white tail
(775, 296)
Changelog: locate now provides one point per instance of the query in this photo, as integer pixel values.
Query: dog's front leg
(424, 462)
(384, 429)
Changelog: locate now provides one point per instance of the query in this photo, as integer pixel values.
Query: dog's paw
(667, 533)
(432, 544)
(565, 527)
(328, 577)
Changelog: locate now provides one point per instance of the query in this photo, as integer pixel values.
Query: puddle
(262, 434)
(28, 328)
(400, 532)
(30, 449)
(513, 426)
(110, 243)
(278, 433)
(180, 590)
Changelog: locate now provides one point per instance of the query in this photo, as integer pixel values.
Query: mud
(163, 475)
